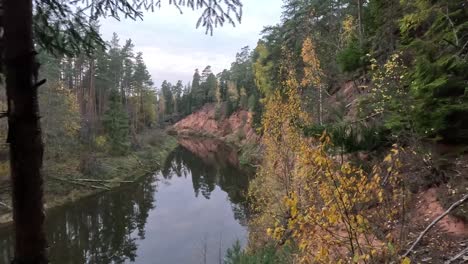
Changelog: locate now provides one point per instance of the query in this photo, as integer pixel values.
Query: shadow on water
(199, 190)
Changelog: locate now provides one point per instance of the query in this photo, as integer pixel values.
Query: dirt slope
(236, 128)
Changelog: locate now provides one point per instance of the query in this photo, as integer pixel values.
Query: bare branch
(106, 181)
(423, 233)
(80, 184)
(461, 253)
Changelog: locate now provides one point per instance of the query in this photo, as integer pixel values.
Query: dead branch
(106, 181)
(80, 183)
(423, 233)
(463, 252)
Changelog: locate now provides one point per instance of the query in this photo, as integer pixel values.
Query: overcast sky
(173, 48)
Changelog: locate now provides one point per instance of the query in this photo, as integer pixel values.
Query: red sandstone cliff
(236, 128)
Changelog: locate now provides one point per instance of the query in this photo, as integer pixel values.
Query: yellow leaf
(406, 260)
(388, 158)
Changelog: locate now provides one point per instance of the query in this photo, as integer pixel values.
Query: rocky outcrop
(236, 128)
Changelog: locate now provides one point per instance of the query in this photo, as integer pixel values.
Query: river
(189, 212)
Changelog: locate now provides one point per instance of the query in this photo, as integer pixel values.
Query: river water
(189, 212)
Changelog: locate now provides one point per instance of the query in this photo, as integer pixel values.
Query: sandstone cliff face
(236, 128)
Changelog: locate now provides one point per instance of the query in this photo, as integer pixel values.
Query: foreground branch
(463, 252)
(423, 233)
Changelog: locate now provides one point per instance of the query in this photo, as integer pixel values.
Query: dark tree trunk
(91, 102)
(24, 134)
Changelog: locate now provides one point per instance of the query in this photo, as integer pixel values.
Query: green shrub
(266, 255)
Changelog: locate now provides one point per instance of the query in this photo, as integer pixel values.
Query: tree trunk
(91, 102)
(24, 134)
(360, 26)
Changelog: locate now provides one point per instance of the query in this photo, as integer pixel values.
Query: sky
(173, 48)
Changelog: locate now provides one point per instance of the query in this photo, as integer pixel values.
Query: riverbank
(73, 177)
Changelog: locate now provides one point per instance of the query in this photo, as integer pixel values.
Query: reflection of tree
(99, 230)
(210, 170)
(105, 228)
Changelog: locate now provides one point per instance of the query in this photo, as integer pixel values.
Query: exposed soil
(429, 207)
(236, 128)
(448, 237)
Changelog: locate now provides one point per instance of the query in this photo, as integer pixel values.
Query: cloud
(172, 47)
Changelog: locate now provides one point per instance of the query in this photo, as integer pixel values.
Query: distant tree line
(110, 92)
(229, 90)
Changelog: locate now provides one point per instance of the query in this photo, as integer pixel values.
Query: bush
(101, 143)
(265, 255)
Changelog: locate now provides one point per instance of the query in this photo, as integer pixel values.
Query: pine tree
(115, 122)
(177, 93)
(437, 34)
(166, 90)
(211, 85)
(198, 95)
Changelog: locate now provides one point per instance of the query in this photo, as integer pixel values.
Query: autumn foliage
(334, 211)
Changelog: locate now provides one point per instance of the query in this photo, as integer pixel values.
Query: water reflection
(211, 163)
(150, 220)
(96, 230)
